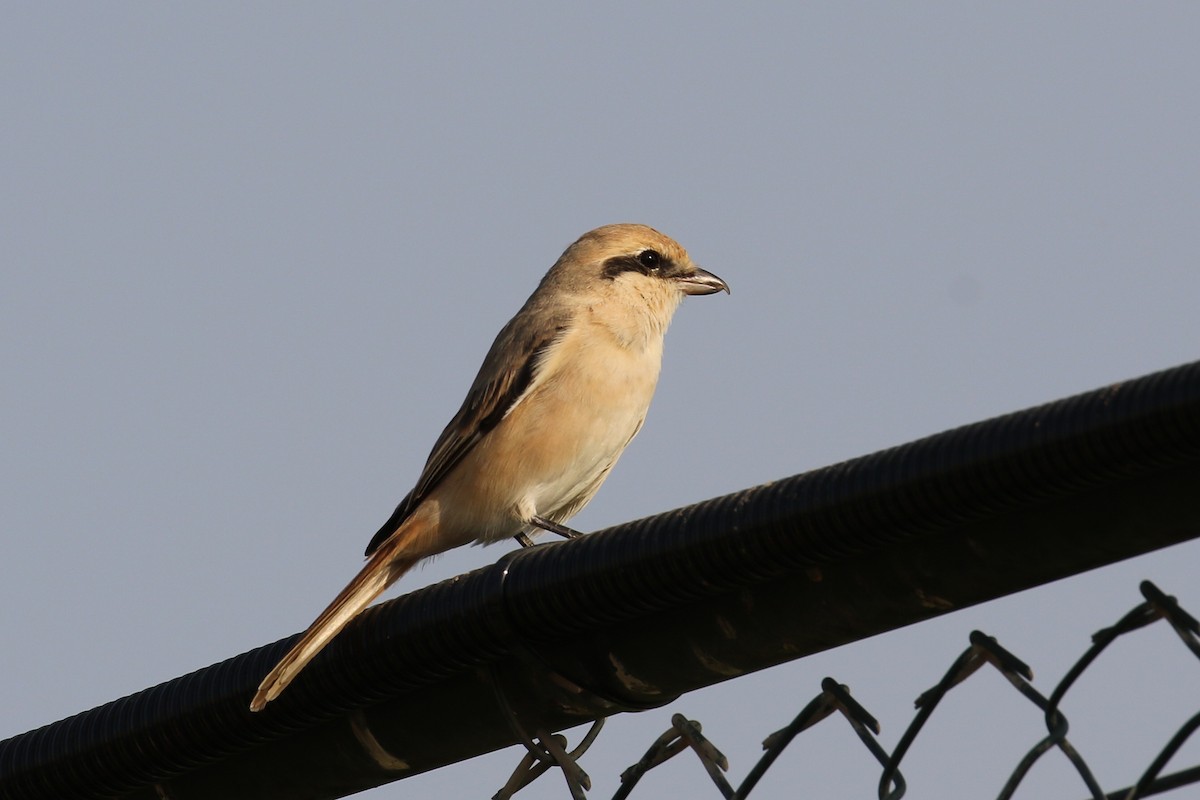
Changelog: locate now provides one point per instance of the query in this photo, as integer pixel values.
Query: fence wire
(544, 752)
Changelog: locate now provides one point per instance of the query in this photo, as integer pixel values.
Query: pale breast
(550, 454)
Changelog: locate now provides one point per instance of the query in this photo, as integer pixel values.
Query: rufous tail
(384, 567)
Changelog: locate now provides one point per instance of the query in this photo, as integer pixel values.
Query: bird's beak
(702, 282)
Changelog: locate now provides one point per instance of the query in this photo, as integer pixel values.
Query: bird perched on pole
(563, 390)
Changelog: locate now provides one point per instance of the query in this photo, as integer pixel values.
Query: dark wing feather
(496, 388)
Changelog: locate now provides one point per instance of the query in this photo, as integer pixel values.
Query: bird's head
(632, 273)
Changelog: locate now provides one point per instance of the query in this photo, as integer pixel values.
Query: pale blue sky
(254, 255)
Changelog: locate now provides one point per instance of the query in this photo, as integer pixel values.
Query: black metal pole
(633, 616)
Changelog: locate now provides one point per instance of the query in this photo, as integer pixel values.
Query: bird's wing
(506, 373)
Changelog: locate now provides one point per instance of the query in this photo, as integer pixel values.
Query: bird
(563, 390)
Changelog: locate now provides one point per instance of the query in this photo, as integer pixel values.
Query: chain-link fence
(684, 734)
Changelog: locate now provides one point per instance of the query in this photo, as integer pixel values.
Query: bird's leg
(554, 527)
(546, 525)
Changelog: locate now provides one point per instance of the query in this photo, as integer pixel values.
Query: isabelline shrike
(563, 390)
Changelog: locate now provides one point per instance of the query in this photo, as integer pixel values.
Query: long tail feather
(385, 566)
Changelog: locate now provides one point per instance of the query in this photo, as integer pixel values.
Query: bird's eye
(650, 259)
